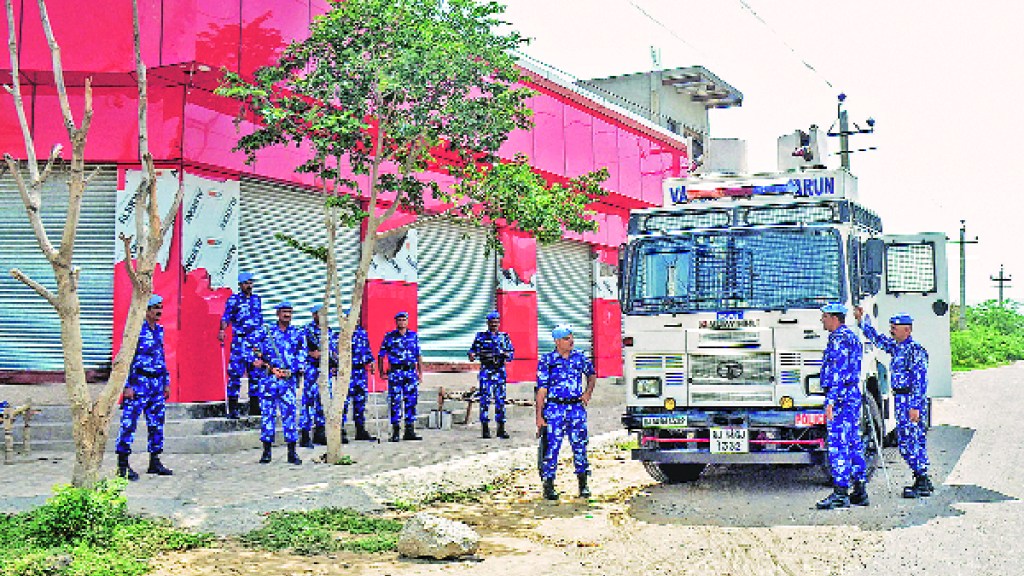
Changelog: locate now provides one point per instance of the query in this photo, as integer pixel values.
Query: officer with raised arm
(909, 384)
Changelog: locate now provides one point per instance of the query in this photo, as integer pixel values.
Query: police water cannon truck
(721, 290)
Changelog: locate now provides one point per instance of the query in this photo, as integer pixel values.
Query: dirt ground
(734, 520)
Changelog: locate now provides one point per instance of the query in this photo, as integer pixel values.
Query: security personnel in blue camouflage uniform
(909, 384)
(494, 349)
(244, 313)
(146, 391)
(561, 408)
(311, 413)
(280, 350)
(840, 379)
(358, 388)
(401, 347)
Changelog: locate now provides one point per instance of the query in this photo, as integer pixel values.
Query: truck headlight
(814, 385)
(647, 386)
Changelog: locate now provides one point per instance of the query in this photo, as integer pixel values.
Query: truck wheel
(674, 473)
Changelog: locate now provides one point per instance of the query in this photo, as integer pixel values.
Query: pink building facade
(440, 272)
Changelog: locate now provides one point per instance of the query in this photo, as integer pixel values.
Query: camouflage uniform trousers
(912, 435)
(148, 400)
(238, 367)
(845, 446)
(311, 413)
(278, 395)
(358, 390)
(565, 420)
(492, 385)
(403, 389)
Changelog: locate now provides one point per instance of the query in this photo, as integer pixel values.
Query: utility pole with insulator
(963, 272)
(1002, 280)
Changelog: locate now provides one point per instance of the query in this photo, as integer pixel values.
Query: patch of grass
(627, 445)
(323, 531)
(467, 495)
(403, 506)
(87, 532)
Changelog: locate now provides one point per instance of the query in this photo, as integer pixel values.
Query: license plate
(664, 421)
(729, 441)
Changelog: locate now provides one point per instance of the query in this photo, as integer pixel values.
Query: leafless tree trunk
(91, 417)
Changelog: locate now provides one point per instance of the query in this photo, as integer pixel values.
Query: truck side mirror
(873, 253)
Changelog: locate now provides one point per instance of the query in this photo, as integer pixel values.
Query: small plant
(323, 531)
(403, 506)
(75, 516)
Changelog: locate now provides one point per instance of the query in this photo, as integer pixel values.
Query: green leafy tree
(388, 89)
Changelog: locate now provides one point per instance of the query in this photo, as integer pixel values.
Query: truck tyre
(674, 473)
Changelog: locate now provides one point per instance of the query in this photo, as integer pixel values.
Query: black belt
(403, 366)
(492, 365)
(566, 401)
(150, 373)
(902, 391)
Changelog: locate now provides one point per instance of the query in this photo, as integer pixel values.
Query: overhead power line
(782, 40)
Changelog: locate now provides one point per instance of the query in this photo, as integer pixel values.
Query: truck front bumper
(696, 457)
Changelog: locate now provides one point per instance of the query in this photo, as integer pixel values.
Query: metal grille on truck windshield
(731, 369)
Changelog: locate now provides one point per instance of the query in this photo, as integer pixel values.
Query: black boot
(344, 436)
(124, 470)
(254, 406)
(410, 433)
(922, 487)
(859, 494)
(293, 456)
(396, 433)
(304, 440)
(320, 435)
(265, 459)
(501, 431)
(839, 498)
(232, 408)
(549, 489)
(485, 430)
(584, 488)
(157, 467)
(362, 434)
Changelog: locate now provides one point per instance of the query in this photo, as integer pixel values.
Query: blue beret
(284, 305)
(402, 314)
(316, 308)
(561, 331)
(245, 277)
(154, 300)
(346, 311)
(901, 319)
(834, 308)
(494, 316)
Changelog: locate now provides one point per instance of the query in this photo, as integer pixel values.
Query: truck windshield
(765, 269)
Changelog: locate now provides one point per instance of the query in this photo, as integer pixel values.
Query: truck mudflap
(693, 457)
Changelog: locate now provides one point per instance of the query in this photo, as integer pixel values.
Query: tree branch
(54, 156)
(413, 224)
(128, 258)
(15, 90)
(32, 207)
(58, 73)
(36, 286)
(172, 212)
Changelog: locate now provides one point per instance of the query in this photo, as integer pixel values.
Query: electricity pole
(963, 272)
(844, 132)
(1002, 280)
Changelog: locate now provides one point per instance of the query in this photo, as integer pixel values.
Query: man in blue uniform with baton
(244, 313)
(494, 349)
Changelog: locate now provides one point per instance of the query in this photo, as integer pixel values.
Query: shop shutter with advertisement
(457, 282)
(564, 292)
(282, 272)
(29, 326)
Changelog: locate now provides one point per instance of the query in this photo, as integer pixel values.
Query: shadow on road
(761, 496)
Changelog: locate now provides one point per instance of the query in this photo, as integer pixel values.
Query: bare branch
(140, 79)
(58, 72)
(87, 114)
(127, 240)
(172, 212)
(36, 286)
(54, 156)
(93, 174)
(32, 207)
(15, 90)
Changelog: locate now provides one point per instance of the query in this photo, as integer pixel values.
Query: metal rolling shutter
(29, 327)
(564, 292)
(457, 283)
(282, 272)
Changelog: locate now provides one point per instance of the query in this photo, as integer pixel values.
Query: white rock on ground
(428, 536)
